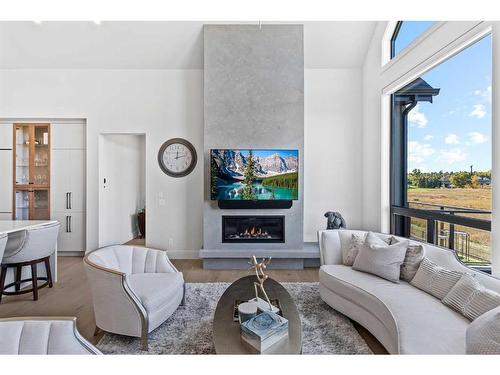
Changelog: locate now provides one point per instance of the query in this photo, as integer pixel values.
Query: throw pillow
(434, 279)
(411, 263)
(413, 258)
(383, 261)
(470, 298)
(357, 241)
(483, 334)
(346, 239)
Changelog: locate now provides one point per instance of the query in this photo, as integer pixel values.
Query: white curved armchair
(42, 335)
(134, 289)
(3, 243)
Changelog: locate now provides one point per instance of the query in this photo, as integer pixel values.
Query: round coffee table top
(226, 332)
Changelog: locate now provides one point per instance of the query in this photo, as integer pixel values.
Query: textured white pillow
(483, 334)
(434, 279)
(470, 298)
(357, 241)
(383, 261)
(413, 258)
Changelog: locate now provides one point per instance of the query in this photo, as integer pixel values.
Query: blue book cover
(264, 325)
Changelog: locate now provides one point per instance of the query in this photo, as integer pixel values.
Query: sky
(453, 132)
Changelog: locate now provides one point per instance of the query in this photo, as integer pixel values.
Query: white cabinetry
(68, 184)
(6, 171)
(68, 180)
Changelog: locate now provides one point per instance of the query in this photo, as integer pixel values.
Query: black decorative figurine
(335, 220)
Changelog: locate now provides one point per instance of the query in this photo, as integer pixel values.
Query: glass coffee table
(226, 332)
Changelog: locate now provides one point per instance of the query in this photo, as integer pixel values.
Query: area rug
(189, 329)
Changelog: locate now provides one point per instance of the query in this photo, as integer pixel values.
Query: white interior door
(122, 186)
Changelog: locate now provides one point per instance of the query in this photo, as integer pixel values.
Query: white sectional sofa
(406, 320)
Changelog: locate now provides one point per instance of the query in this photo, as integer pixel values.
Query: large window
(405, 33)
(441, 155)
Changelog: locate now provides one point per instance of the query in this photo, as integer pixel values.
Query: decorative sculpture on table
(335, 220)
(261, 277)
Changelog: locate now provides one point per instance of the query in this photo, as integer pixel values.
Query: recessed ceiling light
(38, 22)
(97, 22)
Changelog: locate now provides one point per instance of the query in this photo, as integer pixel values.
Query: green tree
(474, 183)
(460, 179)
(249, 177)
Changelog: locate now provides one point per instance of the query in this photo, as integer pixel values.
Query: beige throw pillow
(470, 298)
(357, 241)
(381, 260)
(413, 258)
(434, 279)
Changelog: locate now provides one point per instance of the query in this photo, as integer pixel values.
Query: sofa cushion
(424, 324)
(155, 289)
(470, 298)
(434, 279)
(483, 334)
(384, 261)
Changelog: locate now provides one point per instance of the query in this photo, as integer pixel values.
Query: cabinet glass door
(40, 205)
(22, 211)
(32, 204)
(40, 167)
(22, 155)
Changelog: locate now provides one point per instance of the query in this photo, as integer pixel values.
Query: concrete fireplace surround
(254, 98)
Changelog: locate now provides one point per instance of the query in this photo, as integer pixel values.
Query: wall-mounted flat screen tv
(254, 174)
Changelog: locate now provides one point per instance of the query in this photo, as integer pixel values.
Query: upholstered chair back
(39, 242)
(3, 243)
(42, 336)
(130, 260)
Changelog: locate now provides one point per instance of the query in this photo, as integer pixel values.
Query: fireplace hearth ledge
(235, 258)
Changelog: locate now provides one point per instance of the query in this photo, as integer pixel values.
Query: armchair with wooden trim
(134, 289)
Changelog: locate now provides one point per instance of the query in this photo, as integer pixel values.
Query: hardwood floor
(70, 296)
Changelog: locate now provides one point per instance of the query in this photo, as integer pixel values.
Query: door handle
(67, 224)
(67, 201)
(70, 200)
(70, 225)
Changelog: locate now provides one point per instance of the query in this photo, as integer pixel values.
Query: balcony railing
(451, 227)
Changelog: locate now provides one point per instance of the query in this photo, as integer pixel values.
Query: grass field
(479, 245)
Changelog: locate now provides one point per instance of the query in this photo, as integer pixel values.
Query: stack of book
(264, 330)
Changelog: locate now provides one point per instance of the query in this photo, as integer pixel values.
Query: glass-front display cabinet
(31, 172)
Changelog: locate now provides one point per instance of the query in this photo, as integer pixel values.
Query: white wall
(333, 153)
(164, 104)
(123, 195)
(371, 141)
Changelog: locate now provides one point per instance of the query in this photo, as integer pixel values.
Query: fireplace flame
(254, 232)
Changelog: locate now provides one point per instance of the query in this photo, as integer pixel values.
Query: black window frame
(400, 211)
(394, 37)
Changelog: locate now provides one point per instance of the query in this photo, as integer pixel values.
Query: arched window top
(405, 33)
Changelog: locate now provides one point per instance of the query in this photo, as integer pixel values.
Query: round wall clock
(177, 157)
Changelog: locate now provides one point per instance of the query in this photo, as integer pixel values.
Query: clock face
(177, 157)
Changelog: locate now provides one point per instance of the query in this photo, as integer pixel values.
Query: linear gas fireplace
(257, 228)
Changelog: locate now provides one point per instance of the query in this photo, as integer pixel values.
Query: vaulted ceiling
(158, 45)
